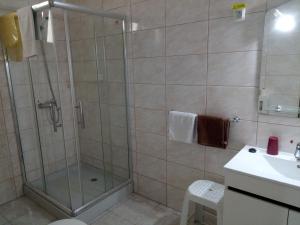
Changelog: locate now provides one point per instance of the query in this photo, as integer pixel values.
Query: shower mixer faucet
(54, 112)
(297, 152)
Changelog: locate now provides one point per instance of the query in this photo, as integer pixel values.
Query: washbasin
(274, 177)
(286, 167)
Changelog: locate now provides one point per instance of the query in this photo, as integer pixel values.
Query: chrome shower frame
(112, 196)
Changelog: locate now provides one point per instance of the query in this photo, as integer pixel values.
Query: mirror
(280, 68)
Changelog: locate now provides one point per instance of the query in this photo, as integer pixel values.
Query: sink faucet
(297, 152)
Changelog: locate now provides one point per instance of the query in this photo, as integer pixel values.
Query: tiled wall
(192, 56)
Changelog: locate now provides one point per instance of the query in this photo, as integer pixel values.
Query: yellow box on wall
(239, 10)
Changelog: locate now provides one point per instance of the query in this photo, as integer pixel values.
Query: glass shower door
(96, 48)
(48, 94)
(113, 104)
(85, 77)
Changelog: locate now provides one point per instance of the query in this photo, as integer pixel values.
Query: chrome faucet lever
(297, 152)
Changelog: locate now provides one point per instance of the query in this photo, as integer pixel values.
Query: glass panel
(87, 105)
(110, 49)
(49, 96)
(96, 45)
(73, 124)
(22, 91)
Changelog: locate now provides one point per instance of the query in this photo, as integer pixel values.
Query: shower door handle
(81, 119)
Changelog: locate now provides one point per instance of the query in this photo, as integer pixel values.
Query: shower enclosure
(70, 108)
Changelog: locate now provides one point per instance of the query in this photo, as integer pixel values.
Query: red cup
(273, 146)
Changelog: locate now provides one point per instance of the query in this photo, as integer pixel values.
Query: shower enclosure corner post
(125, 52)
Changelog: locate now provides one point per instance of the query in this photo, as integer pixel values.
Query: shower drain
(94, 179)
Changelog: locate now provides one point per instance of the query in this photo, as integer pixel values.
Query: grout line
(135, 186)
(206, 88)
(166, 108)
(195, 21)
(198, 54)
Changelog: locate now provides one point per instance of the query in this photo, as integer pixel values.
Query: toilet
(68, 222)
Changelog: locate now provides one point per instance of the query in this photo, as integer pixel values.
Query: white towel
(182, 126)
(50, 32)
(27, 30)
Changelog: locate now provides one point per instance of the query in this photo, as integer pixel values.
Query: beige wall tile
(190, 155)
(236, 36)
(151, 144)
(7, 190)
(151, 167)
(187, 39)
(151, 121)
(175, 197)
(234, 69)
(215, 159)
(188, 70)
(150, 96)
(115, 71)
(116, 93)
(186, 98)
(148, 14)
(179, 12)
(152, 189)
(114, 47)
(241, 134)
(149, 70)
(232, 101)
(110, 4)
(149, 43)
(181, 176)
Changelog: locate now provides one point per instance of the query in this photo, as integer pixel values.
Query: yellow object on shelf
(10, 36)
(239, 10)
(238, 6)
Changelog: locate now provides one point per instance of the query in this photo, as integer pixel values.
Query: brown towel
(213, 131)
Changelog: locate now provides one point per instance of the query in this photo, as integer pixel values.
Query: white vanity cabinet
(262, 189)
(241, 209)
(294, 218)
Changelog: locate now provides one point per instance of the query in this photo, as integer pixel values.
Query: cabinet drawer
(240, 209)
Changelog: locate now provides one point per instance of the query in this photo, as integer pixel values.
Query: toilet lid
(68, 222)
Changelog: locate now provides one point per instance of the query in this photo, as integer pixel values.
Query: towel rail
(235, 119)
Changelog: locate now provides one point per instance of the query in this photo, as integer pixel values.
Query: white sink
(273, 177)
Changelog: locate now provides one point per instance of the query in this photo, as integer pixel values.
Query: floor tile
(24, 212)
(139, 211)
(136, 210)
(111, 219)
(3, 221)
